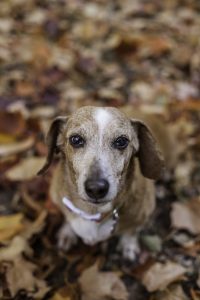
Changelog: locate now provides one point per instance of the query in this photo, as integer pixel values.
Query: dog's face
(98, 145)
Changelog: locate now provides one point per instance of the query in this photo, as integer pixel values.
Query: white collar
(81, 213)
(90, 217)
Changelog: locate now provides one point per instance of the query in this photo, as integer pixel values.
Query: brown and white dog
(103, 183)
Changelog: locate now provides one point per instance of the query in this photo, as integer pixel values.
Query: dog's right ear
(52, 141)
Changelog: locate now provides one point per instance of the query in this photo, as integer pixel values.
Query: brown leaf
(174, 292)
(12, 123)
(26, 281)
(17, 147)
(187, 215)
(6, 138)
(36, 226)
(26, 169)
(10, 226)
(97, 285)
(159, 276)
(25, 89)
(14, 248)
(68, 292)
(20, 273)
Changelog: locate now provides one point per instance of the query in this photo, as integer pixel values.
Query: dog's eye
(120, 143)
(76, 141)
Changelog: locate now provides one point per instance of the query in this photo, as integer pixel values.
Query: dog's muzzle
(96, 189)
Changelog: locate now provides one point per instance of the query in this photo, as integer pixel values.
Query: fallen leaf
(26, 281)
(36, 226)
(57, 296)
(14, 263)
(159, 275)
(186, 215)
(152, 242)
(67, 292)
(174, 292)
(97, 285)
(26, 169)
(17, 147)
(6, 138)
(10, 226)
(25, 89)
(183, 173)
(14, 248)
(12, 123)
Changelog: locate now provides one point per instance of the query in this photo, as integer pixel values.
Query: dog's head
(98, 146)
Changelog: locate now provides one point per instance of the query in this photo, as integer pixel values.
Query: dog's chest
(92, 232)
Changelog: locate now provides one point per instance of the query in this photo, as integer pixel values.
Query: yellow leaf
(68, 292)
(16, 147)
(6, 138)
(57, 296)
(10, 226)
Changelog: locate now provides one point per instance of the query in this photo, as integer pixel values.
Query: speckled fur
(132, 192)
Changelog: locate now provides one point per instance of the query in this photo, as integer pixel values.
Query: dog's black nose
(96, 188)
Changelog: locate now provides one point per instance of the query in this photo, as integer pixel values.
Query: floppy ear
(52, 141)
(150, 157)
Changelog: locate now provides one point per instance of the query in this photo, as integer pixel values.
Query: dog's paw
(66, 237)
(129, 247)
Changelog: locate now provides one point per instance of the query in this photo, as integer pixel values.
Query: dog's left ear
(150, 157)
(52, 141)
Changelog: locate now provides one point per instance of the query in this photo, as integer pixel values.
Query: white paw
(129, 247)
(66, 237)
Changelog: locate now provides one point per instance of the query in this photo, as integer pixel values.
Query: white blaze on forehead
(103, 118)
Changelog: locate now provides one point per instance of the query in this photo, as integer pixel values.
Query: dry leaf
(12, 123)
(97, 285)
(67, 292)
(25, 89)
(17, 147)
(36, 226)
(26, 281)
(26, 169)
(159, 276)
(187, 215)
(174, 292)
(57, 296)
(10, 225)
(14, 263)
(6, 138)
(13, 249)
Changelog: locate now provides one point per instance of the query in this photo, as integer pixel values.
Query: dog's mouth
(97, 202)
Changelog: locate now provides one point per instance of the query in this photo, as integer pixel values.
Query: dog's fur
(130, 173)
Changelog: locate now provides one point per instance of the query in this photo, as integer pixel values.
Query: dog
(104, 181)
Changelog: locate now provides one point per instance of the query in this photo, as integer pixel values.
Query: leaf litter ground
(55, 57)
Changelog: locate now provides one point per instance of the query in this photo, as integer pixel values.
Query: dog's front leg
(66, 237)
(129, 246)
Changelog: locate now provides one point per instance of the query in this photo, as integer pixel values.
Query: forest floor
(56, 56)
